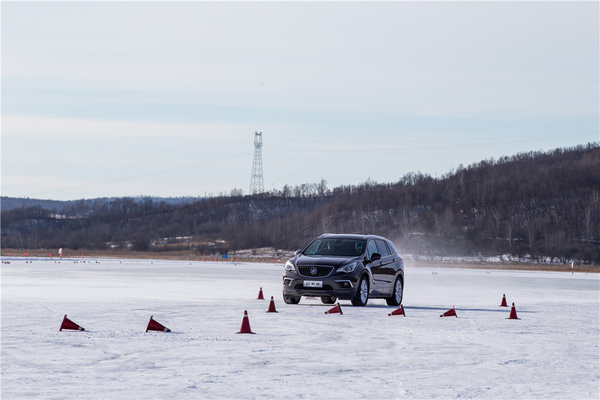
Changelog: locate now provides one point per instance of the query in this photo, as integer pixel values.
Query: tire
(328, 299)
(362, 293)
(397, 294)
(291, 299)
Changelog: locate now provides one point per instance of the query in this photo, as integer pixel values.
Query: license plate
(315, 284)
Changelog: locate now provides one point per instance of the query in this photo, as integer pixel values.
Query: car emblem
(313, 270)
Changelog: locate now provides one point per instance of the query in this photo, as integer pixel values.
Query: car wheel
(291, 299)
(396, 298)
(328, 299)
(362, 293)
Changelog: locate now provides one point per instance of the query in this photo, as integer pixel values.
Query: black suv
(348, 267)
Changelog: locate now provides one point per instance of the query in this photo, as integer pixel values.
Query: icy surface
(299, 352)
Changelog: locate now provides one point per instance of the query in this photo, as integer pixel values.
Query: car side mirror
(375, 257)
(297, 252)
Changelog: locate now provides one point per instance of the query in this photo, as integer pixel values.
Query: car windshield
(335, 247)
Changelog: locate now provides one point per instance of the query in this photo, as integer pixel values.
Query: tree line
(539, 205)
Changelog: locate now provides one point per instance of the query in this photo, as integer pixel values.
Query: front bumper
(342, 287)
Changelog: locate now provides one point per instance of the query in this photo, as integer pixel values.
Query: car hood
(323, 260)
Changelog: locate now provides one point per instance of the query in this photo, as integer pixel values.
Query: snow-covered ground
(299, 352)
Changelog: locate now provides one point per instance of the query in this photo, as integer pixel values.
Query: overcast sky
(105, 99)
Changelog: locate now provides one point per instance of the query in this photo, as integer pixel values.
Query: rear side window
(392, 248)
(382, 248)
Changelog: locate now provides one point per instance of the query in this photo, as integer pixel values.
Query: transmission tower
(256, 182)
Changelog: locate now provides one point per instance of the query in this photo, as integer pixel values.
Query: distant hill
(9, 203)
(542, 206)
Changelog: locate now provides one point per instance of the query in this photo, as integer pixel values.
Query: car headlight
(347, 268)
(289, 266)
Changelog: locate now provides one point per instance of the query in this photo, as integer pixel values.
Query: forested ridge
(539, 205)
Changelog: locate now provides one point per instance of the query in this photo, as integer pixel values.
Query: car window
(335, 247)
(391, 247)
(383, 248)
(371, 249)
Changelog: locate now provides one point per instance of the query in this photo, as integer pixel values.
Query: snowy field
(300, 352)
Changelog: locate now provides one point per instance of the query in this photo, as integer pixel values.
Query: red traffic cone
(272, 306)
(156, 326)
(451, 312)
(68, 324)
(503, 303)
(513, 312)
(335, 310)
(399, 311)
(245, 324)
(260, 295)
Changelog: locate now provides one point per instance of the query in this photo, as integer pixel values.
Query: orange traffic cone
(399, 311)
(451, 312)
(156, 326)
(335, 310)
(68, 324)
(260, 295)
(513, 312)
(245, 324)
(503, 304)
(272, 306)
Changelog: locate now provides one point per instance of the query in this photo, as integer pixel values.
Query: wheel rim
(398, 291)
(364, 291)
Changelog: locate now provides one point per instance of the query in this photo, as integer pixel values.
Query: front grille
(318, 271)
